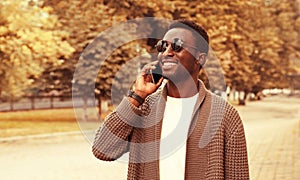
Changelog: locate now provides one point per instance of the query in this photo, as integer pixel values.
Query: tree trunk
(99, 108)
(84, 113)
(241, 99)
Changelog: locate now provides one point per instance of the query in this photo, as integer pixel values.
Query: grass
(22, 123)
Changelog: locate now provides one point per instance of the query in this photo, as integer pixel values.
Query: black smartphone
(156, 74)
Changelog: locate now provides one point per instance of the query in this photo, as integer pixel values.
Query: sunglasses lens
(161, 46)
(177, 44)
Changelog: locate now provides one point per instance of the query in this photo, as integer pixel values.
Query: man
(175, 128)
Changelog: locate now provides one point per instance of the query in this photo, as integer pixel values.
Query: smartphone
(156, 74)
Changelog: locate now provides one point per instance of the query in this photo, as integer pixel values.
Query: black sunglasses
(176, 45)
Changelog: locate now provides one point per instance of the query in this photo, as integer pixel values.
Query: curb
(39, 136)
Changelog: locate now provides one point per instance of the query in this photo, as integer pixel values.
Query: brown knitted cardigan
(216, 145)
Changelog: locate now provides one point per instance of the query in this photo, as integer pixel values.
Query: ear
(201, 58)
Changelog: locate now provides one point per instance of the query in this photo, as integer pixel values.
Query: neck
(183, 89)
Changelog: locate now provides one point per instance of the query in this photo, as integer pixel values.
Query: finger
(154, 62)
(146, 69)
(148, 78)
(149, 66)
(159, 81)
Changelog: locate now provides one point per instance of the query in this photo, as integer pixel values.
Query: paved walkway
(272, 128)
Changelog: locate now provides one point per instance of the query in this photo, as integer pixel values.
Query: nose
(169, 51)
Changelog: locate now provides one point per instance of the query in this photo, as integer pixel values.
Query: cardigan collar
(202, 92)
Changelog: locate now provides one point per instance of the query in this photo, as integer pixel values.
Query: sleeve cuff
(129, 113)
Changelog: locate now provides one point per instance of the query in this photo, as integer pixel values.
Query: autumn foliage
(257, 43)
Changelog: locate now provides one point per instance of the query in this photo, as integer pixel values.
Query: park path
(55, 158)
(272, 130)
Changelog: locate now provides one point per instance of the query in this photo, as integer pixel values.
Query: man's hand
(144, 85)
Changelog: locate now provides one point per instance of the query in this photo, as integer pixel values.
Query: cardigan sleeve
(112, 139)
(236, 160)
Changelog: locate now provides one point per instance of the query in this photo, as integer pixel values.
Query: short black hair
(202, 41)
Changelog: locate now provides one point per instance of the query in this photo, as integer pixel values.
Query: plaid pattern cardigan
(216, 144)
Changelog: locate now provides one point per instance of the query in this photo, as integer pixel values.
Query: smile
(169, 63)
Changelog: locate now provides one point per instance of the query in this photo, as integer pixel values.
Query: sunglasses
(176, 45)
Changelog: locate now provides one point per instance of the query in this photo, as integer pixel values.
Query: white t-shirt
(175, 126)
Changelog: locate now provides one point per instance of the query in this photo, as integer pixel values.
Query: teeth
(169, 63)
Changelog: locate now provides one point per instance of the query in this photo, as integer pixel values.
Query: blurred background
(255, 45)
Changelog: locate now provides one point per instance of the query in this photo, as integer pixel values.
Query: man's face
(179, 65)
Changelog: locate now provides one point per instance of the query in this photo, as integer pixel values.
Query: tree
(29, 42)
(269, 39)
(245, 37)
(85, 20)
